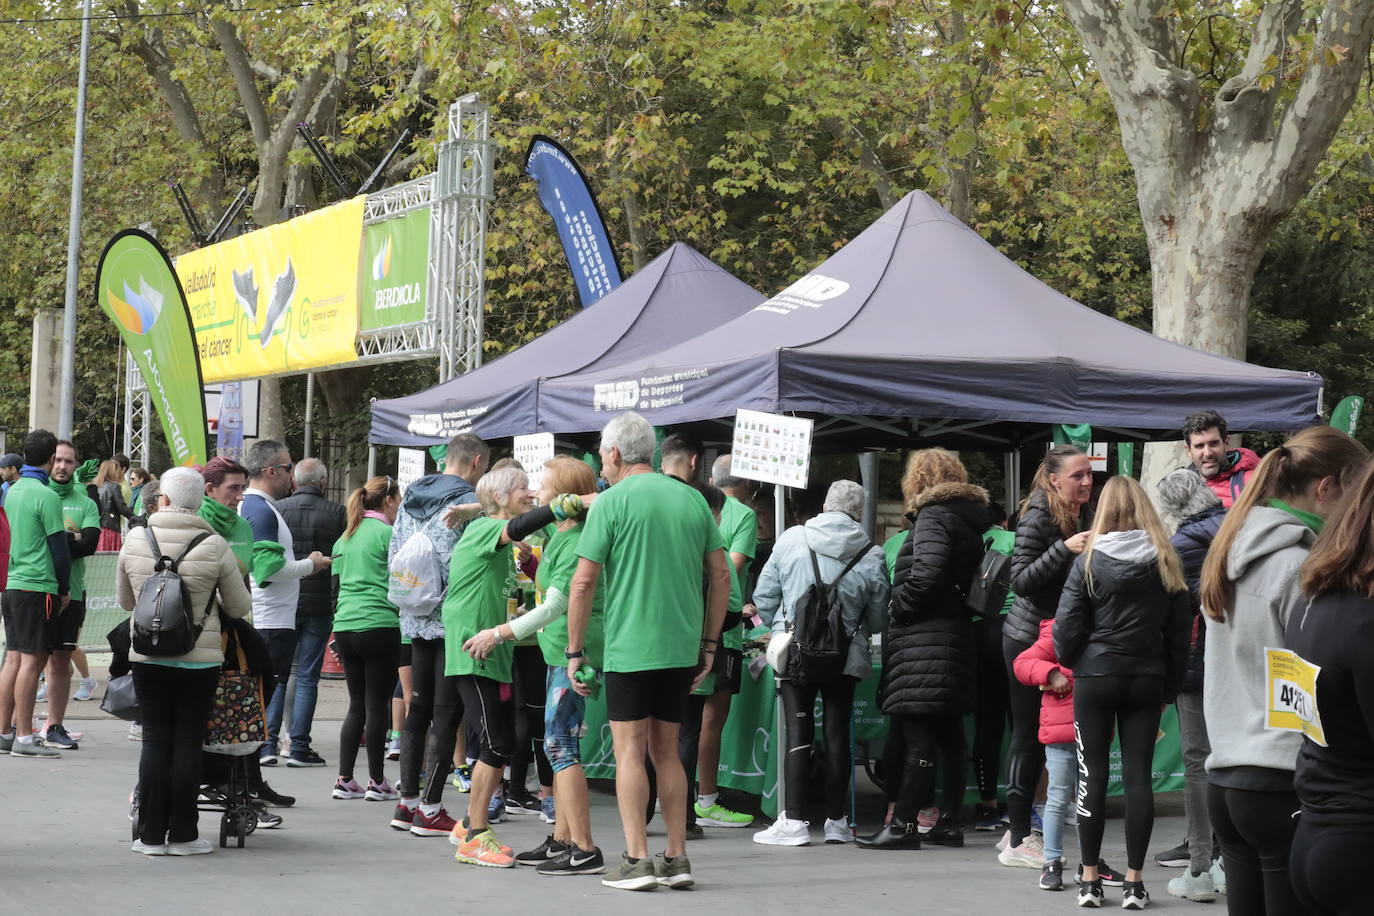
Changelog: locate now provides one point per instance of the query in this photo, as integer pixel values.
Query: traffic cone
(331, 668)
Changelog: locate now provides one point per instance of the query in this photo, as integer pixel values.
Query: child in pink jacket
(1037, 667)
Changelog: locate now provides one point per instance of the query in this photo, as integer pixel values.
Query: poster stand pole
(780, 726)
(309, 415)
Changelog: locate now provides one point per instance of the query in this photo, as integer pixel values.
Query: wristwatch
(572, 655)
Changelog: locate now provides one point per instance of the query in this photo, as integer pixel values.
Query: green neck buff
(1312, 521)
(63, 490)
(220, 517)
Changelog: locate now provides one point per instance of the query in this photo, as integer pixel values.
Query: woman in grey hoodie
(1249, 585)
(1122, 626)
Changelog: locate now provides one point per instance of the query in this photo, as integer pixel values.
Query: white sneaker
(144, 849)
(785, 832)
(837, 831)
(135, 732)
(1198, 888)
(1030, 854)
(42, 695)
(197, 847)
(1219, 875)
(85, 690)
(1005, 841)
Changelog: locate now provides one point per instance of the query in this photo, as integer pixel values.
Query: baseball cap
(11, 461)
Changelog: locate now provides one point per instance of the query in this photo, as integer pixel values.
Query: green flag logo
(136, 312)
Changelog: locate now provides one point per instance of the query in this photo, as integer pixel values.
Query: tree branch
(1245, 103)
(1309, 124)
(241, 69)
(265, 71)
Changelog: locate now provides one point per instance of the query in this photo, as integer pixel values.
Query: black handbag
(120, 700)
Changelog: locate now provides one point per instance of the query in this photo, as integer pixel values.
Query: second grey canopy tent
(676, 296)
(918, 329)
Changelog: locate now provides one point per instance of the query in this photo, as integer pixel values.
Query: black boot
(946, 832)
(896, 835)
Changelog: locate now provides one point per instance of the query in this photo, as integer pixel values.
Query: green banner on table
(1346, 416)
(1125, 459)
(395, 274)
(749, 755)
(137, 287)
(1080, 435)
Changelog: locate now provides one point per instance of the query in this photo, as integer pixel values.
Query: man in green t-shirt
(81, 519)
(36, 593)
(654, 538)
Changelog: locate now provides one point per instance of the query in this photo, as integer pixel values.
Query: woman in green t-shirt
(480, 584)
(570, 849)
(367, 634)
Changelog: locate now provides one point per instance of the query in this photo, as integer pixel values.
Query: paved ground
(64, 831)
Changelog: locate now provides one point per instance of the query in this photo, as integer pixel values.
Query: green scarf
(63, 490)
(1314, 522)
(229, 525)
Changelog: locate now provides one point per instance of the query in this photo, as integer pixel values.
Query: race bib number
(1293, 694)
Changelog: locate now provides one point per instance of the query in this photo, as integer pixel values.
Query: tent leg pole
(309, 414)
(1010, 482)
(371, 461)
(868, 473)
(779, 511)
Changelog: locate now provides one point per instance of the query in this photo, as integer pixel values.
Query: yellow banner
(279, 300)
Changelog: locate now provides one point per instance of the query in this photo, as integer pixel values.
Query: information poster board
(532, 451)
(410, 466)
(771, 448)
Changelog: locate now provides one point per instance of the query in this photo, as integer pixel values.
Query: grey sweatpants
(1193, 736)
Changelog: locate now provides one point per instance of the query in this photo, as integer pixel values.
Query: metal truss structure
(456, 195)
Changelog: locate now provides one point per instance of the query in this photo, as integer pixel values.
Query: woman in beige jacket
(175, 693)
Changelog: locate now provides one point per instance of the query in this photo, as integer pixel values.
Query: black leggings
(1327, 868)
(990, 711)
(369, 658)
(1130, 706)
(1255, 830)
(531, 687)
(491, 713)
(175, 707)
(929, 739)
(688, 746)
(431, 728)
(799, 712)
(1026, 756)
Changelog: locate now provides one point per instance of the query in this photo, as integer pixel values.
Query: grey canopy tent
(676, 296)
(918, 329)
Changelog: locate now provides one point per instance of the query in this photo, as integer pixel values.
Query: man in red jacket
(1225, 472)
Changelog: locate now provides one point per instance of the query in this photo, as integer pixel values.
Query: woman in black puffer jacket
(928, 652)
(1049, 535)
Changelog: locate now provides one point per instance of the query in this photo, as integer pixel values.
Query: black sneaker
(1175, 858)
(263, 792)
(1134, 896)
(266, 819)
(546, 851)
(305, 758)
(57, 736)
(696, 832)
(522, 800)
(1052, 875)
(1105, 873)
(946, 832)
(1090, 895)
(574, 861)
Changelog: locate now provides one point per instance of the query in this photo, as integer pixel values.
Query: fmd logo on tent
(616, 396)
(808, 292)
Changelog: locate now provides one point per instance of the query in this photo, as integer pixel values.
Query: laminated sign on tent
(676, 296)
(918, 328)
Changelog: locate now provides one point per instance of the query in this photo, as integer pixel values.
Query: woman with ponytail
(1249, 586)
(367, 635)
(1049, 535)
(1122, 626)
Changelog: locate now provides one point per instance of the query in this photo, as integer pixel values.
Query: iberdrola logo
(137, 311)
(381, 264)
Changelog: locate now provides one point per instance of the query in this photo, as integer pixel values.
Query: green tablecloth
(749, 757)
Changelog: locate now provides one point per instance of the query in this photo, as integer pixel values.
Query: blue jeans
(312, 635)
(1061, 762)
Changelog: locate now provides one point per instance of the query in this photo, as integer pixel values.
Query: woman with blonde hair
(1249, 587)
(113, 507)
(928, 654)
(1122, 626)
(367, 635)
(1049, 534)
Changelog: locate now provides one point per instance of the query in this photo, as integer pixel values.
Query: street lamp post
(68, 399)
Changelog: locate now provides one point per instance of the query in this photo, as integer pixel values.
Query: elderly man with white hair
(175, 693)
(655, 538)
(832, 546)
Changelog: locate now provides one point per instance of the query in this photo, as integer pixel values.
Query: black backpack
(162, 624)
(820, 643)
(987, 595)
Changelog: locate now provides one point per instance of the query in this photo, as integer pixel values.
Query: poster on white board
(532, 451)
(410, 466)
(771, 448)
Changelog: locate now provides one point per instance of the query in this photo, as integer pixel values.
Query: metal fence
(102, 602)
